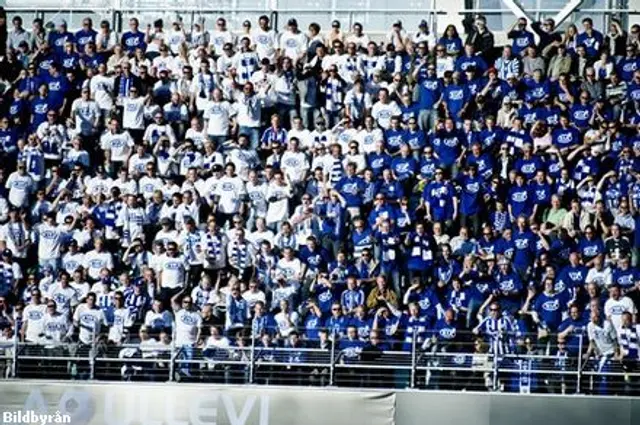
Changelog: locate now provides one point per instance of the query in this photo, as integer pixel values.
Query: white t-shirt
(231, 192)
(248, 110)
(50, 239)
(33, 317)
(367, 140)
(294, 164)
(101, 88)
(122, 319)
(187, 324)
(604, 336)
(71, 262)
(284, 328)
(292, 45)
(65, 298)
(174, 271)
(133, 113)
(278, 210)
(291, 269)
(614, 309)
(86, 112)
(55, 328)
(119, 144)
(90, 321)
(147, 185)
(218, 116)
(96, 261)
(160, 320)
(257, 194)
(265, 42)
(383, 113)
(20, 187)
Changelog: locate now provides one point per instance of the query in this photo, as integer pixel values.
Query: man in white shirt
(187, 328)
(85, 113)
(218, 118)
(89, 319)
(50, 238)
(264, 39)
(172, 276)
(617, 305)
(131, 219)
(295, 164)
(221, 36)
(97, 259)
(20, 185)
(230, 193)
(33, 318)
(122, 320)
(133, 113)
(117, 146)
(101, 87)
(603, 342)
(293, 42)
(384, 109)
(56, 328)
(248, 109)
(63, 294)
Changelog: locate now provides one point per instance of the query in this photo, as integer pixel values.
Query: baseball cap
(292, 22)
(7, 253)
(423, 24)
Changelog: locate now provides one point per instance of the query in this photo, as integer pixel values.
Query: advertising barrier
(32, 402)
(173, 404)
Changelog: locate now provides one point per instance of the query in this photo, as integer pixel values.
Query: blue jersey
(521, 200)
(580, 115)
(133, 40)
(416, 139)
(525, 249)
(439, 196)
(378, 162)
(448, 146)
(394, 138)
(351, 188)
(521, 40)
(404, 167)
(550, 309)
(455, 97)
(470, 195)
(429, 92)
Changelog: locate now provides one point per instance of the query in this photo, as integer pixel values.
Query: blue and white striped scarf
(629, 342)
(240, 252)
(214, 245)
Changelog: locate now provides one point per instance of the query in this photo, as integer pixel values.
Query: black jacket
(482, 42)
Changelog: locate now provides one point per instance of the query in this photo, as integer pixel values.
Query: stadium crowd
(307, 185)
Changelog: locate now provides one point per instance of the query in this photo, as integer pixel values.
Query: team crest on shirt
(551, 305)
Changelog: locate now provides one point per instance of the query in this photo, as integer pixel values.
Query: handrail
(582, 10)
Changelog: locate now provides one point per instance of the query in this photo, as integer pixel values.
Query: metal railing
(429, 368)
(377, 20)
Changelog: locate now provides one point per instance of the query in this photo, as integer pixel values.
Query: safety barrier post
(332, 366)
(495, 372)
(92, 360)
(579, 377)
(414, 362)
(252, 359)
(172, 361)
(14, 361)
